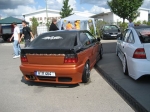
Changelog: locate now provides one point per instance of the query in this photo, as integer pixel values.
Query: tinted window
(110, 27)
(91, 38)
(84, 39)
(55, 40)
(144, 34)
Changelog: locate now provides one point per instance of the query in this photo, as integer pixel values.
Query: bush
(138, 23)
(99, 26)
(122, 26)
(34, 26)
(148, 23)
(144, 22)
(92, 31)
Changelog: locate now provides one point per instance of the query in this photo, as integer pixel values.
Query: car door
(123, 43)
(87, 46)
(119, 44)
(129, 47)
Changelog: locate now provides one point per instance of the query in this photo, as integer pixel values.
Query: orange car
(61, 57)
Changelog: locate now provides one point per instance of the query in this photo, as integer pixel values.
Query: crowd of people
(76, 25)
(69, 25)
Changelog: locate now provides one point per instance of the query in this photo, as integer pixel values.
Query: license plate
(114, 35)
(39, 73)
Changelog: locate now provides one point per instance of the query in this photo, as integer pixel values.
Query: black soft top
(66, 39)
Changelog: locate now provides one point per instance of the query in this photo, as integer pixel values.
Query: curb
(8, 44)
(124, 94)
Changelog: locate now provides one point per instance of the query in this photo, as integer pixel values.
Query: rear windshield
(144, 34)
(56, 40)
(110, 27)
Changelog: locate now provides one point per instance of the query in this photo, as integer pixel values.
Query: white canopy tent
(83, 22)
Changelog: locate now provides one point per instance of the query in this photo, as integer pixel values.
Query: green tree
(34, 26)
(144, 22)
(125, 8)
(133, 15)
(66, 10)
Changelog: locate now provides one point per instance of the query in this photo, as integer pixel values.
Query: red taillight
(24, 59)
(71, 59)
(139, 53)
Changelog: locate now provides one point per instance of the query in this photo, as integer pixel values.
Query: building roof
(57, 11)
(41, 10)
(106, 13)
(10, 20)
(100, 14)
(144, 9)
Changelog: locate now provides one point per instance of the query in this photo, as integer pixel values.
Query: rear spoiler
(47, 51)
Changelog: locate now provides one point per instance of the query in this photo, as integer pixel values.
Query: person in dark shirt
(26, 34)
(53, 26)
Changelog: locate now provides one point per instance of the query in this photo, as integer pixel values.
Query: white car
(133, 48)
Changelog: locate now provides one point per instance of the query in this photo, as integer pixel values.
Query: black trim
(47, 51)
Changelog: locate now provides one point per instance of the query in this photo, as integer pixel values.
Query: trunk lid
(46, 56)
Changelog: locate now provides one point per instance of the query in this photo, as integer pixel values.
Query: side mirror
(98, 39)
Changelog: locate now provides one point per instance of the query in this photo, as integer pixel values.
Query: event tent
(10, 20)
(83, 22)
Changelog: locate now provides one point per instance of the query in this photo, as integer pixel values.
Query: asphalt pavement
(17, 95)
(135, 92)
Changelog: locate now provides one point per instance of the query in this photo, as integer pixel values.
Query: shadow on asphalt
(2, 41)
(107, 49)
(144, 79)
(42, 84)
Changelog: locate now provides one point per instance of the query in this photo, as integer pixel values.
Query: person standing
(53, 26)
(16, 44)
(130, 24)
(69, 26)
(77, 25)
(26, 34)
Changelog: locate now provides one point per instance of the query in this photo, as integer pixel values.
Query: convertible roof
(67, 31)
(56, 40)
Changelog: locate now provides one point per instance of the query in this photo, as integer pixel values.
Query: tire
(86, 73)
(125, 66)
(101, 53)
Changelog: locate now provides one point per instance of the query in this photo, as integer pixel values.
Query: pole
(24, 17)
(46, 12)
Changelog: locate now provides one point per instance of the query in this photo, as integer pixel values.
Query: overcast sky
(18, 7)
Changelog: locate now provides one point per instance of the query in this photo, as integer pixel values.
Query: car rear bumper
(138, 67)
(64, 74)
